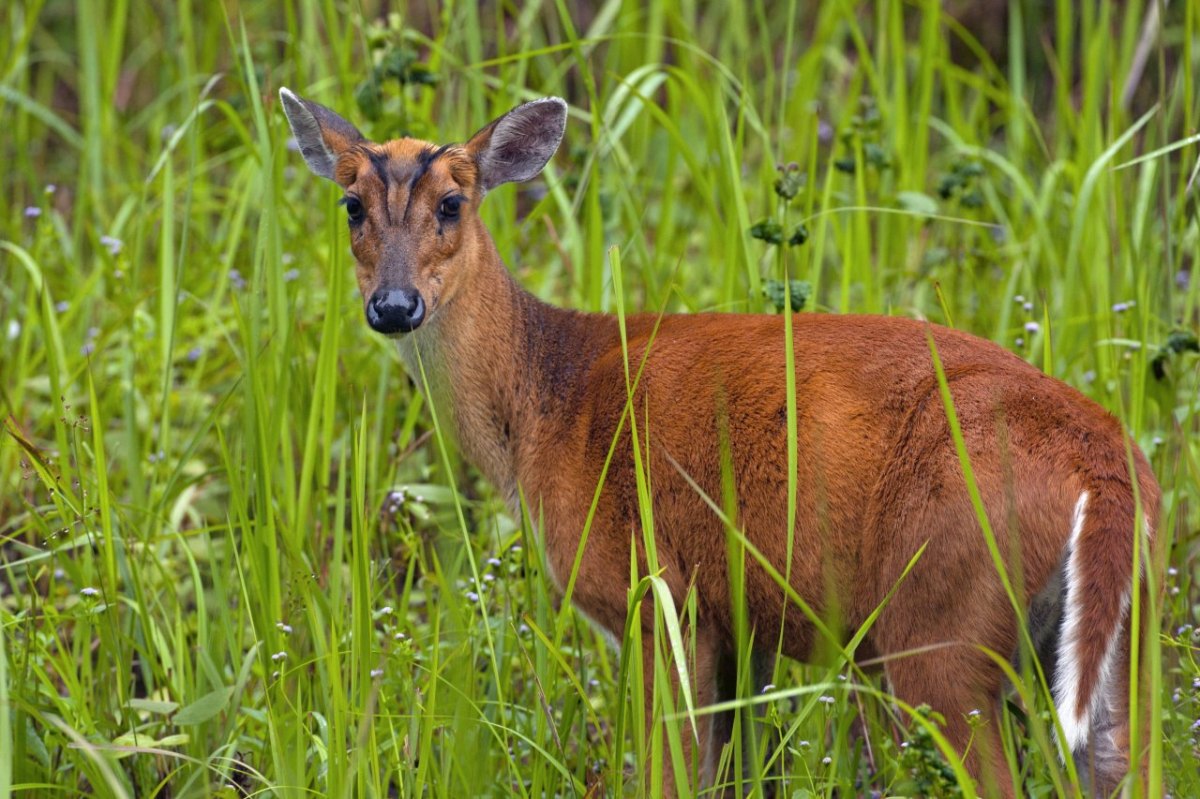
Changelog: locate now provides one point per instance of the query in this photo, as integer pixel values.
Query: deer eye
(354, 209)
(450, 207)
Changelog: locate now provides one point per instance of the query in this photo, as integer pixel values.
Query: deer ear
(516, 146)
(321, 134)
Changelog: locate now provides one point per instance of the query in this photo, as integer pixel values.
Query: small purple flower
(87, 349)
(112, 244)
(291, 275)
(286, 629)
(236, 279)
(376, 672)
(493, 562)
(1028, 306)
(1122, 307)
(824, 132)
(194, 354)
(386, 610)
(472, 596)
(293, 145)
(89, 592)
(1032, 327)
(51, 188)
(32, 212)
(62, 306)
(1020, 342)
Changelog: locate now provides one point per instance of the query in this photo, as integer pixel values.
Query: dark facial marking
(379, 163)
(424, 160)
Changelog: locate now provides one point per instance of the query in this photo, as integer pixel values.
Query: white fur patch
(1066, 678)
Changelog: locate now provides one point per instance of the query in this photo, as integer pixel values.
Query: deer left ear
(516, 146)
(321, 134)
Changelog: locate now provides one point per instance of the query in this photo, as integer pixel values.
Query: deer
(883, 517)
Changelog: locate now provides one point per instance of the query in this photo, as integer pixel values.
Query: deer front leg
(679, 747)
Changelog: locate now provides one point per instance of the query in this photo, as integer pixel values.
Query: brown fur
(537, 392)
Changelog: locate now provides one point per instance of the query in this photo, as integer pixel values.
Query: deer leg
(956, 681)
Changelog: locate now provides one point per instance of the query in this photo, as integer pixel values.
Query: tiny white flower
(89, 592)
(768, 688)
(1028, 306)
(1019, 299)
(493, 562)
(386, 610)
(14, 329)
(1032, 327)
(112, 244)
(472, 596)
(827, 760)
(975, 713)
(286, 629)
(278, 656)
(376, 672)
(399, 636)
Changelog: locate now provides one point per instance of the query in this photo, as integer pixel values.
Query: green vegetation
(237, 556)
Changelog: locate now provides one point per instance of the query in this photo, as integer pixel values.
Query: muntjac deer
(537, 394)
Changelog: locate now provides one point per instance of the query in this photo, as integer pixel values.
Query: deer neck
(504, 366)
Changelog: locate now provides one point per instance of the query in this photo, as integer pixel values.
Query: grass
(237, 555)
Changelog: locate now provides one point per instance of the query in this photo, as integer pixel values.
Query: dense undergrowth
(236, 558)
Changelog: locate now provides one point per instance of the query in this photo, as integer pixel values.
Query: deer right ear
(516, 146)
(321, 134)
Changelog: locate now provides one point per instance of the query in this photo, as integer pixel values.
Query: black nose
(395, 311)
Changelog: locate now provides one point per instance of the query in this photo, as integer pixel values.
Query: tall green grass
(238, 556)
